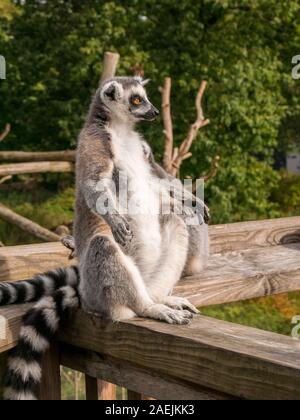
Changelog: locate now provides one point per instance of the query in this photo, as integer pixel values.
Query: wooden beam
(228, 358)
(27, 225)
(126, 374)
(35, 168)
(110, 64)
(246, 235)
(11, 156)
(23, 262)
(231, 277)
(244, 275)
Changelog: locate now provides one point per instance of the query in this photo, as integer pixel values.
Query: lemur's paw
(169, 315)
(122, 232)
(180, 303)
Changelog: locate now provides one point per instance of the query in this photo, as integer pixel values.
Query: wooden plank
(244, 275)
(246, 235)
(232, 359)
(139, 380)
(227, 358)
(22, 262)
(228, 278)
(12, 156)
(50, 388)
(10, 323)
(99, 390)
(35, 168)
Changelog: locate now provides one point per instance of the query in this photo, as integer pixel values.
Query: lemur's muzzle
(151, 114)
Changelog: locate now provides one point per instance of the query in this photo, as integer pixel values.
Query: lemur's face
(126, 99)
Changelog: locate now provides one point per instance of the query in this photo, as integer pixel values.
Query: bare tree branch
(5, 132)
(27, 225)
(173, 158)
(168, 124)
(214, 169)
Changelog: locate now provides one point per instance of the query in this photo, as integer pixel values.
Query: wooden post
(3, 365)
(50, 388)
(110, 64)
(99, 390)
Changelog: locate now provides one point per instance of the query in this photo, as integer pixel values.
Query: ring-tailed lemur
(128, 264)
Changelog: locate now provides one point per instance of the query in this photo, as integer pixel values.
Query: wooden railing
(209, 359)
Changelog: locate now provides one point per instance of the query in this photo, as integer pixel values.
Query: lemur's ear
(142, 81)
(145, 82)
(112, 91)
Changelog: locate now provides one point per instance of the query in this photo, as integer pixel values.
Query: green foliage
(243, 48)
(267, 314)
(43, 206)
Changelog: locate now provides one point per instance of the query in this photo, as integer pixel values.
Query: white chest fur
(129, 159)
(142, 195)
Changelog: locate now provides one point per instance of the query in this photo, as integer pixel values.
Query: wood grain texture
(10, 323)
(22, 262)
(231, 359)
(12, 156)
(50, 388)
(228, 278)
(35, 168)
(244, 275)
(246, 235)
(129, 375)
(227, 358)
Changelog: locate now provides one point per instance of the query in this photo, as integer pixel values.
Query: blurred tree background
(243, 48)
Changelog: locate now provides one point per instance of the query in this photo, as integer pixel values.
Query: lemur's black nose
(156, 111)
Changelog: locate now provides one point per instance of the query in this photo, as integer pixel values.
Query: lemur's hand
(121, 230)
(206, 214)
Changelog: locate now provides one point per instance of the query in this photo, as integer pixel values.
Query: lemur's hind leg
(173, 260)
(111, 286)
(198, 252)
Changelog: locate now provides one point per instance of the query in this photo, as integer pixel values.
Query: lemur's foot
(167, 314)
(180, 303)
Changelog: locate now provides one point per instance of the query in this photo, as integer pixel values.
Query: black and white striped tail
(41, 285)
(39, 327)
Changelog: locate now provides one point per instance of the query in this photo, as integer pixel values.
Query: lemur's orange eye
(136, 100)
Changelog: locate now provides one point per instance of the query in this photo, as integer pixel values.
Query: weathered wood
(231, 277)
(110, 64)
(27, 225)
(229, 358)
(35, 168)
(50, 388)
(10, 156)
(216, 355)
(129, 375)
(10, 322)
(244, 275)
(97, 389)
(3, 365)
(23, 262)
(246, 235)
